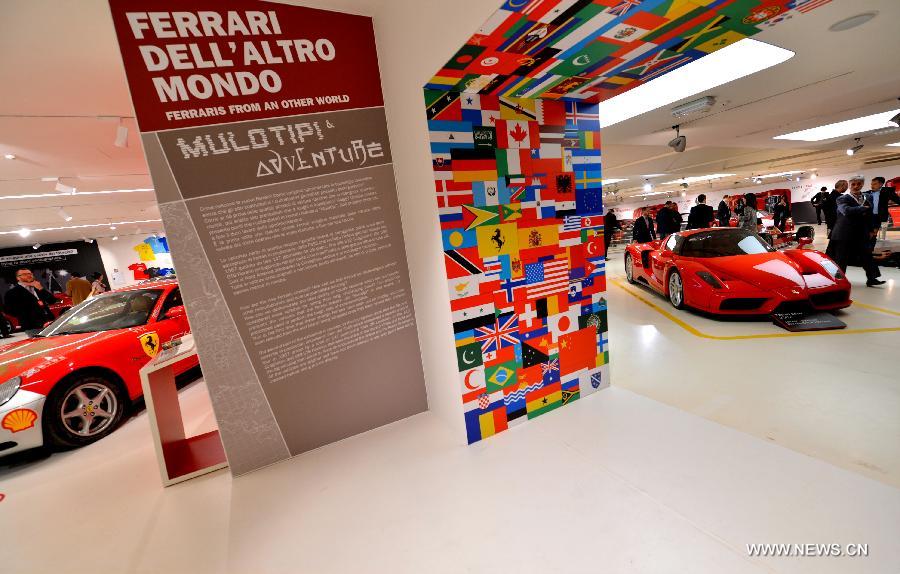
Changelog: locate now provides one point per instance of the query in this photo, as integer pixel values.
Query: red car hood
(771, 271)
(24, 358)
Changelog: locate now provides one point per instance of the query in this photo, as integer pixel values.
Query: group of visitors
(29, 302)
(856, 221)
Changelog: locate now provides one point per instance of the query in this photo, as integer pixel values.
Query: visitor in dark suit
(667, 220)
(830, 205)
(643, 230)
(701, 215)
(818, 202)
(724, 213)
(29, 302)
(781, 212)
(880, 196)
(852, 233)
(610, 225)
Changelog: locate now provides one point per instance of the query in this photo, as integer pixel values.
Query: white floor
(804, 451)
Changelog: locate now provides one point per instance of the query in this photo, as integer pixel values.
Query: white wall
(802, 190)
(415, 38)
(118, 255)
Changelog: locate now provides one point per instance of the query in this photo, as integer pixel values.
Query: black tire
(629, 264)
(110, 397)
(676, 301)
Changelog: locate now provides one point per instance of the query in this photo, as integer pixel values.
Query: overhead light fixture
(112, 227)
(841, 129)
(852, 22)
(722, 66)
(895, 144)
(894, 120)
(814, 176)
(702, 105)
(647, 185)
(121, 135)
(36, 246)
(115, 237)
(650, 175)
(62, 213)
(683, 194)
(613, 180)
(679, 143)
(698, 178)
(80, 193)
(63, 188)
(780, 174)
(9, 156)
(24, 232)
(855, 149)
(86, 240)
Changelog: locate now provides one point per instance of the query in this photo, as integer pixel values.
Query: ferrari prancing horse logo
(150, 343)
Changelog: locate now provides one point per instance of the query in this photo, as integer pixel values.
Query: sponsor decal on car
(19, 420)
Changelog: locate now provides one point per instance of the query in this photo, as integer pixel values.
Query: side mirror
(176, 312)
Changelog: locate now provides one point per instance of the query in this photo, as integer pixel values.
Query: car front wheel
(629, 268)
(676, 290)
(83, 409)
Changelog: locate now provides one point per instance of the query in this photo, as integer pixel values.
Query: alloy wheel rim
(88, 409)
(675, 288)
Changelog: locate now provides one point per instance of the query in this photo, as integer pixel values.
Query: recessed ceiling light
(9, 156)
(24, 232)
(895, 144)
(840, 129)
(695, 179)
(80, 193)
(852, 22)
(62, 213)
(613, 180)
(722, 66)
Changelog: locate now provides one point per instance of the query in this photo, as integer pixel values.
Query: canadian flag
(512, 134)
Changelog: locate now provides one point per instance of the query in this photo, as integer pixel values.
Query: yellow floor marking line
(698, 333)
(874, 308)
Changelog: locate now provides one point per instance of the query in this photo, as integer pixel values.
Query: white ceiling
(60, 82)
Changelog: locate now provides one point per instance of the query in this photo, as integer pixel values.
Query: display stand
(180, 457)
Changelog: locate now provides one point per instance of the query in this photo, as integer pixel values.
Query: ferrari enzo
(76, 380)
(726, 271)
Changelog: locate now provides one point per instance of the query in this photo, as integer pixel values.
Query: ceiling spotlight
(86, 240)
(24, 232)
(853, 150)
(798, 178)
(62, 213)
(679, 143)
(112, 227)
(63, 188)
(36, 246)
(115, 238)
(814, 176)
(121, 135)
(9, 156)
(704, 104)
(683, 194)
(647, 185)
(893, 120)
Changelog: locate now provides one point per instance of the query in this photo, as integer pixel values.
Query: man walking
(724, 213)
(643, 230)
(29, 302)
(818, 202)
(610, 225)
(701, 215)
(830, 205)
(852, 233)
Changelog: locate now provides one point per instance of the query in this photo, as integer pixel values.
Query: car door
(661, 259)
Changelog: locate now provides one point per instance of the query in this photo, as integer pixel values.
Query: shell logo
(19, 420)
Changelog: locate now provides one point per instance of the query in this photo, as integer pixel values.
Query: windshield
(106, 312)
(724, 243)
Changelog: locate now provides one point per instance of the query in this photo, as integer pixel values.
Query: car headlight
(9, 388)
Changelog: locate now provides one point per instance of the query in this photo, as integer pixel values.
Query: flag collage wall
(515, 146)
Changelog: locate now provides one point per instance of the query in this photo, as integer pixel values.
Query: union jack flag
(503, 333)
(623, 8)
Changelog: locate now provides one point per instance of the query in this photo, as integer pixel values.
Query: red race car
(75, 381)
(728, 271)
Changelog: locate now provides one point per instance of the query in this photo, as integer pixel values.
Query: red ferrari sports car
(728, 271)
(75, 381)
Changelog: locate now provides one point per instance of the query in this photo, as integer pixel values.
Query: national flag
(623, 7)
(546, 278)
(551, 113)
(578, 350)
(490, 192)
(453, 194)
(462, 262)
(581, 116)
(522, 109)
(471, 318)
(805, 6)
(500, 376)
(447, 135)
(456, 238)
(503, 333)
(495, 240)
(513, 162)
(475, 164)
(532, 356)
(561, 324)
(543, 400)
(442, 105)
(477, 216)
(464, 287)
(518, 134)
(468, 357)
(550, 370)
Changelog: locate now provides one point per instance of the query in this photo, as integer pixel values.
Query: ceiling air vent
(883, 159)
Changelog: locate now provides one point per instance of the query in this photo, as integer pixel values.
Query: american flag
(547, 278)
(500, 334)
(809, 5)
